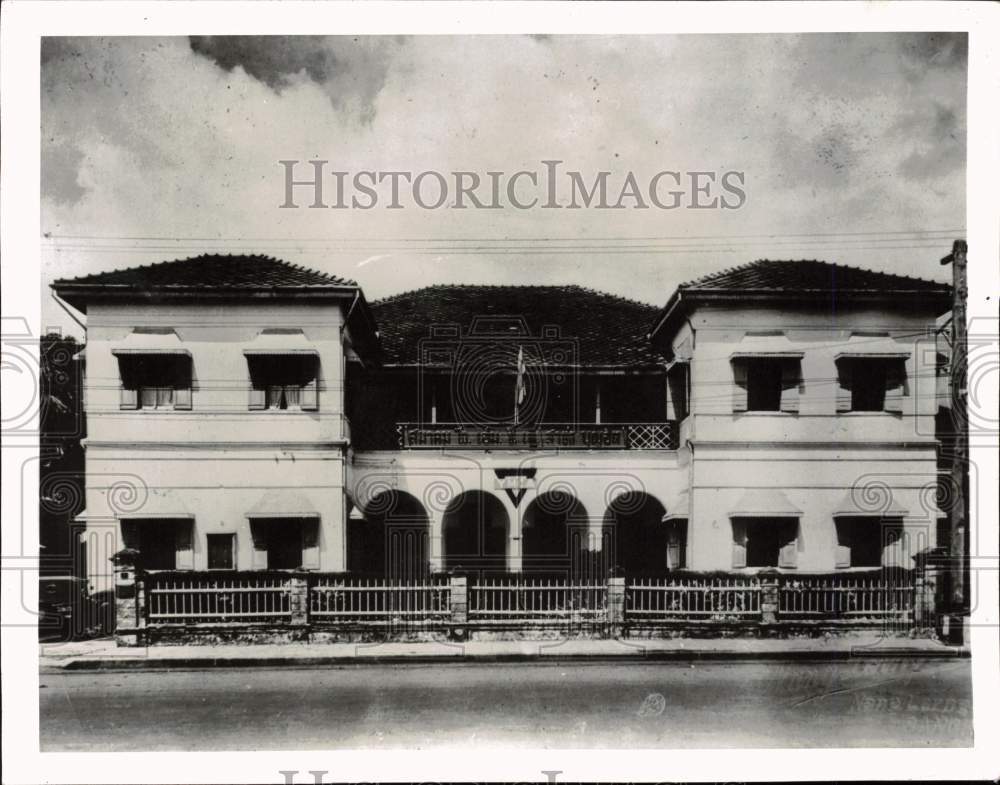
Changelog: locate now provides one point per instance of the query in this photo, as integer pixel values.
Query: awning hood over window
(283, 504)
(679, 507)
(873, 501)
(764, 503)
(150, 342)
(279, 342)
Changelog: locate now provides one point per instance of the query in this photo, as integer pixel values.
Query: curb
(692, 655)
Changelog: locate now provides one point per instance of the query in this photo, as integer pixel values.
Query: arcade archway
(392, 539)
(634, 522)
(475, 528)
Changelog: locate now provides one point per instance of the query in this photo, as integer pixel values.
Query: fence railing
(344, 600)
(846, 597)
(194, 598)
(715, 599)
(524, 600)
(539, 436)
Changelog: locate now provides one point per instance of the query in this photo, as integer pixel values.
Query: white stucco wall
(817, 456)
(595, 478)
(216, 461)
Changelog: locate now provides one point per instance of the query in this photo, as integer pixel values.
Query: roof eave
(684, 298)
(79, 295)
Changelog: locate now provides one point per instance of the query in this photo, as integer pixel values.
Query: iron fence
(846, 597)
(362, 601)
(204, 598)
(505, 601)
(715, 599)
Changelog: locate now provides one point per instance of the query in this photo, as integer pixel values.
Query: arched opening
(475, 533)
(553, 532)
(638, 533)
(392, 539)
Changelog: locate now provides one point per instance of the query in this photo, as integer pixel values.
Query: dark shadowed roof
(606, 330)
(211, 271)
(810, 275)
(805, 281)
(223, 275)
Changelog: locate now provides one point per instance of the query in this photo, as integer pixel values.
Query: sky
(852, 148)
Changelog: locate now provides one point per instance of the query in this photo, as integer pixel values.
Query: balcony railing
(543, 436)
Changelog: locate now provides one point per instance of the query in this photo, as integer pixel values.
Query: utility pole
(960, 441)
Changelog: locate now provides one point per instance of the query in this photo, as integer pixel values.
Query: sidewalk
(104, 654)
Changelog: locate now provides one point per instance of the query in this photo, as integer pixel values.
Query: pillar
(769, 597)
(130, 599)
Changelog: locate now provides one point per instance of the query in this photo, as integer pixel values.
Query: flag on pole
(519, 391)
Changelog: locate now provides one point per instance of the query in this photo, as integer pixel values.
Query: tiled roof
(822, 284)
(810, 275)
(211, 271)
(606, 330)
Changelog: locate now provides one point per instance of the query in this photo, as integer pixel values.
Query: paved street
(900, 702)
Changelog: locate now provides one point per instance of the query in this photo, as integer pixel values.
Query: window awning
(147, 503)
(868, 502)
(283, 504)
(764, 503)
(164, 342)
(858, 354)
(779, 355)
(679, 507)
(280, 342)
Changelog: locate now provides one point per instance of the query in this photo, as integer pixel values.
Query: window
(871, 384)
(860, 539)
(766, 384)
(285, 543)
(155, 381)
(678, 391)
(765, 542)
(677, 544)
(221, 551)
(163, 543)
(284, 381)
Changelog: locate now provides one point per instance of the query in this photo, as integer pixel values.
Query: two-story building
(248, 414)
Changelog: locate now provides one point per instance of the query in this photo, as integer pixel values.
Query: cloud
(178, 137)
(352, 71)
(60, 173)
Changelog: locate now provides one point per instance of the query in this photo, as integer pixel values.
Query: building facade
(247, 414)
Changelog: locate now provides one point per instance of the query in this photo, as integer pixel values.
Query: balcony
(542, 436)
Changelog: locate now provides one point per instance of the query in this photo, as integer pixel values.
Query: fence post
(616, 606)
(298, 599)
(769, 596)
(927, 590)
(458, 587)
(130, 599)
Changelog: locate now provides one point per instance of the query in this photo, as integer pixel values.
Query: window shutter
(184, 545)
(257, 398)
(842, 556)
(310, 395)
(258, 534)
(739, 544)
(895, 381)
(673, 552)
(310, 544)
(739, 385)
(844, 382)
(791, 373)
(788, 555)
(130, 534)
(182, 398)
(129, 398)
